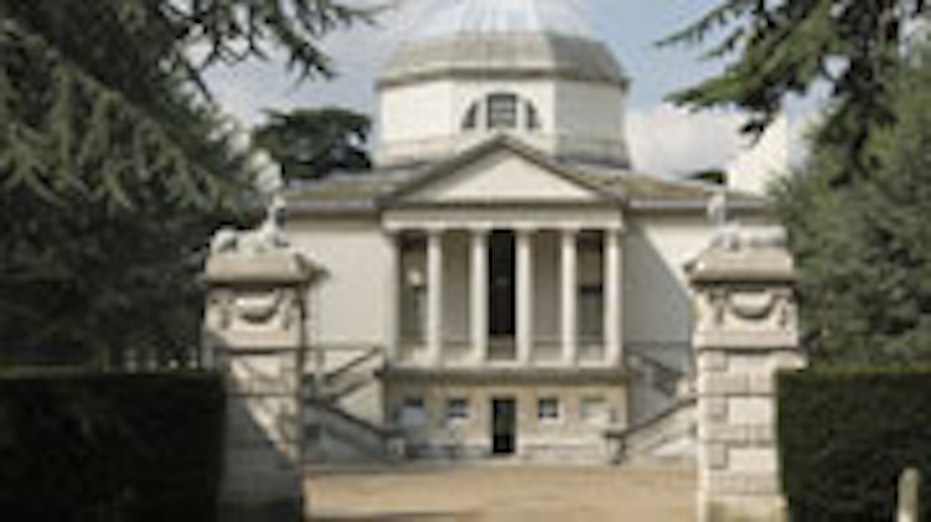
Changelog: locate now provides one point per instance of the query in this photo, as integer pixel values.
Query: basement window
(594, 410)
(548, 409)
(457, 409)
(413, 412)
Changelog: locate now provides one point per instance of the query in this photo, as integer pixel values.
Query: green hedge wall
(110, 447)
(845, 435)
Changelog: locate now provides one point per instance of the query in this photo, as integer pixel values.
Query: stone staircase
(342, 413)
(351, 376)
(669, 435)
(665, 427)
(338, 437)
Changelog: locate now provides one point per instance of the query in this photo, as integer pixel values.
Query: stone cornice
(507, 375)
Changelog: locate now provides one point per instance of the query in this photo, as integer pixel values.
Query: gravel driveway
(504, 493)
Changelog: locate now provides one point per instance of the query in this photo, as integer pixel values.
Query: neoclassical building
(504, 281)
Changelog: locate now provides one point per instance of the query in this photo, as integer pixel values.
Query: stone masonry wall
(746, 331)
(255, 321)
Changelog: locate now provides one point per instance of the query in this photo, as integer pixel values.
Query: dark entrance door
(501, 284)
(503, 426)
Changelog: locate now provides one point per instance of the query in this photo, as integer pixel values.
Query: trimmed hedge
(845, 435)
(110, 447)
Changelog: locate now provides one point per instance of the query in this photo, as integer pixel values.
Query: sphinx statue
(269, 235)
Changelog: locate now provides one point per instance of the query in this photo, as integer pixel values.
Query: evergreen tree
(312, 143)
(787, 47)
(114, 167)
(856, 211)
(864, 249)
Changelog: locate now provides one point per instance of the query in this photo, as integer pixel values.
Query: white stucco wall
(417, 111)
(423, 120)
(590, 116)
(657, 297)
(353, 298)
(456, 287)
(547, 300)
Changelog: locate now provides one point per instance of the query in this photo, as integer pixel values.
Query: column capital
(394, 229)
(525, 229)
(480, 229)
(614, 228)
(435, 229)
(570, 230)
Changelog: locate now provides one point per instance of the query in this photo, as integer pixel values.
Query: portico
(532, 294)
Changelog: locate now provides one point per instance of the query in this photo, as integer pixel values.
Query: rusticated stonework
(254, 326)
(746, 330)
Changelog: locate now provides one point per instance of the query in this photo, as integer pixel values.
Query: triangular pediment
(500, 171)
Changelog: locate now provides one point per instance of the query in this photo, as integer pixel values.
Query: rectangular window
(502, 111)
(533, 119)
(471, 119)
(591, 291)
(591, 313)
(594, 410)
(413, 412)
(548, 409)
(412, 280)
(457, 409)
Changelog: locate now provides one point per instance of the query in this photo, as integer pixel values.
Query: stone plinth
(255, 328)
(746, 331)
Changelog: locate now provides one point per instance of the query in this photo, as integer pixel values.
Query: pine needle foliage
(864, 249)
(783, 48)
(97, 94)
(114, 164)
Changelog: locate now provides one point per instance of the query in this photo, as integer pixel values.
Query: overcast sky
(664, 140)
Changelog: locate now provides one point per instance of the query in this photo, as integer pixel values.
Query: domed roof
(563, 17)
(504, 38)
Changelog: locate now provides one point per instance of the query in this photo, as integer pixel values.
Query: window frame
(408, 404)
(502, 111)
(600, 416)
(557, 410)
(470, 120)
(531, 116)
(463, 416)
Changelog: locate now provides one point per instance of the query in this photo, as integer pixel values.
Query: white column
(613, 270)
(478, 280)
(434, 296)
(569, 296)
(524, 325)
(393, 301)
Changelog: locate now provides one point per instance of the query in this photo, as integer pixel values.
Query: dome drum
(528, 68)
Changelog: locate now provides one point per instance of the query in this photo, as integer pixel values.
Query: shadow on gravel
(392, 517)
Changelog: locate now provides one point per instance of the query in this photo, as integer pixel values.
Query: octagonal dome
(565, 17)
(539, 38)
